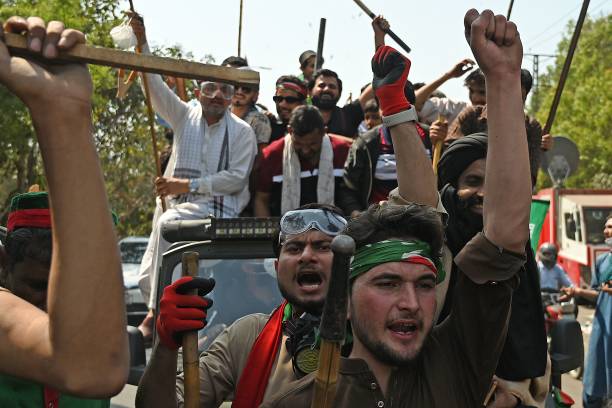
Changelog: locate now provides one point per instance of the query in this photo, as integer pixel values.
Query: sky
(275, 32)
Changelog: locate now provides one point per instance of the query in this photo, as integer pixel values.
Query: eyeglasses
(209, 89)
(299, 221)
(288, 99)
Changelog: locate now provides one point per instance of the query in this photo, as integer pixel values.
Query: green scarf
(417, 252)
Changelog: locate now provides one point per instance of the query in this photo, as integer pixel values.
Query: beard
(314, 307)
(380, 350)
(324, 101)
(215, 111)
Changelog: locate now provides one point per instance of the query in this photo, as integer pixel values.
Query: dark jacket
(360, 166)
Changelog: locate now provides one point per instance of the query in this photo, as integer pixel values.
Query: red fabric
(179, 313)
(33, 218)
(254, 378)
(390, 90)
(51, 398)
(271, 163)
(421, 260)
(293, 87)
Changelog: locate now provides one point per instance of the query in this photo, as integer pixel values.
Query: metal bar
(240, 28)
(86, 54)
(389, 32)
(566, 67)
(319, 60)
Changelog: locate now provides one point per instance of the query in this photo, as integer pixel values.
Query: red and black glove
(390, 70)
(179, 312)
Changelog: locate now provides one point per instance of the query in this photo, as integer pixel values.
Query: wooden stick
(371, 14)
(86, 54)
(566, 67)
(437, 149)
(240, 28)
(509, 9)
(190, 342)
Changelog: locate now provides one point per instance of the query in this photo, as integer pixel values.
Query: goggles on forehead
(299, 221)
(209, 89)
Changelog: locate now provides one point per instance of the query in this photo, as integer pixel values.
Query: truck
(573, 220)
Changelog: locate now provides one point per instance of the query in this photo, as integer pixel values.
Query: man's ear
(276, 266)
(255, 96)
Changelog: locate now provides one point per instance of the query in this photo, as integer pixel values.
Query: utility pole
(536, 66)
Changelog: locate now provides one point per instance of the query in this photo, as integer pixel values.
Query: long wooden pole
(566, 68)
(509, 9)
(87, 54)
(320, 42)
(240, 28)
(190, 342)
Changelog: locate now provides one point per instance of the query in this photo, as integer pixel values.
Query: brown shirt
(222, 364)
(457, 362)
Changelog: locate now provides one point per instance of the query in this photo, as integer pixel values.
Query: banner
(539, 209)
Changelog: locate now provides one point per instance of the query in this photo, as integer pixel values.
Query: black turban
(459, 155)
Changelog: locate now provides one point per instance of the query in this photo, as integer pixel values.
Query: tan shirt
(222, 364)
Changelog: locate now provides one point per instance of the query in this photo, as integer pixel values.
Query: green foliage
(121, 129)
(585, 111)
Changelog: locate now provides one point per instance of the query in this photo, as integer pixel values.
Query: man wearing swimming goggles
(258, 354)
(208, 173)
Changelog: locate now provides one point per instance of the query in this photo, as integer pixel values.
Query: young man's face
(307, 146)
(286, 101)
(477, 93)
(470, 186)
(244, 96)
(326, 92)
(309, 67)
(29, 280)
(303, 270)
(372, 119)
(392, 308)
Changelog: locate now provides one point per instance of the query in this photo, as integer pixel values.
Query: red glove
(179, 312)
(390, 70)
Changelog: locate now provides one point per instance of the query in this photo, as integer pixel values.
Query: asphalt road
(573, 387)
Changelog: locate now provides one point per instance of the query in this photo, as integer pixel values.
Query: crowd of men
(444, 288)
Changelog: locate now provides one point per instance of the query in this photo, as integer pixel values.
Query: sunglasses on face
(288, 99)
(244, 89)
(209, 89)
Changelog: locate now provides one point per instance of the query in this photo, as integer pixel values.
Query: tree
(120, 126)
(585, 111)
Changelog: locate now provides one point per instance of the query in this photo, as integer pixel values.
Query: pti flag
(539, 209)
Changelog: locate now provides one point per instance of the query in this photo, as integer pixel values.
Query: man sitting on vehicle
(257, 354)
(399, 355)
(552, 275)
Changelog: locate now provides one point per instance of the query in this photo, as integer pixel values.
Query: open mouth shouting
(309, 280)
(404, 329)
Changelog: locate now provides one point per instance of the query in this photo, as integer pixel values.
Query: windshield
(132, 252)
(242, 287)
(595, 218)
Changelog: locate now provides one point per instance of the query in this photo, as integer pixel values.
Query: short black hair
(371, 106)
(526, 80)
(326, 73)
(235, 62)
(387, 221)
(475, 77)
(30, 243)
(305, 119)
(276, 246)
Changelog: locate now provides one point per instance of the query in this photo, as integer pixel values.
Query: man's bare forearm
(423, 93)
(415, 177)
(508, 181)
(157, 385)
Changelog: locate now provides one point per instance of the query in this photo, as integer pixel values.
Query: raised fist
(495, 42)
(390, 70)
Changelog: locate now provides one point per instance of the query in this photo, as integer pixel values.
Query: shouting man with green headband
(399, 356)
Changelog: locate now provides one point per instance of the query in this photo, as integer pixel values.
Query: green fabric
(537, 215)
(15, 392)
(371, 255)
(29, 201)
(287, 312)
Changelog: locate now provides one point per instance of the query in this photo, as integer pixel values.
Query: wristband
(408, 115)
(194, 186)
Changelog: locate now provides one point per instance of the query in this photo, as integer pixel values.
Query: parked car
(132, 250)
